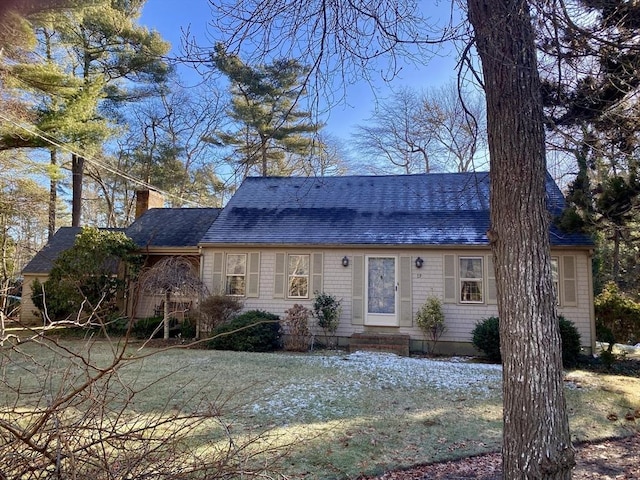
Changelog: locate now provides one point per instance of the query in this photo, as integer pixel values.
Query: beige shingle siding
(426, 281)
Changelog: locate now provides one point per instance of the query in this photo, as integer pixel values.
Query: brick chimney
(147, 199)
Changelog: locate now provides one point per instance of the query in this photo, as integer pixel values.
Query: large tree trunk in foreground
(536, 440)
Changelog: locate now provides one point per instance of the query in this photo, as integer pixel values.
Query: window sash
(471, 270)
(298, 276)
(236, 272)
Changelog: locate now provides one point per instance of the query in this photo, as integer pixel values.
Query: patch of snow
(368, 371)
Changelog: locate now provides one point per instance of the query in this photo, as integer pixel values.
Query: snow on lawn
(344, 378)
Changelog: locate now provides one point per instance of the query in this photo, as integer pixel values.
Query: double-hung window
(471, 279)
(236, 273)
(298, 276)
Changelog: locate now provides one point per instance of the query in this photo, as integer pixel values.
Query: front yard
(321, 415)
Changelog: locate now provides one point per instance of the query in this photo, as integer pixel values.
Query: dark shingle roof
(433, 209)
(62, 240)
(172, 227)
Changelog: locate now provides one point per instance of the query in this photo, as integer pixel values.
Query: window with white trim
(298, 276)
(471, 279)
(555, 278)
(236, 274)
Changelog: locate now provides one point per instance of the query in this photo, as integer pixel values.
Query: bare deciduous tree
(172, 276)
(422, 132)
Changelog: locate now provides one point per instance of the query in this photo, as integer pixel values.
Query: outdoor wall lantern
(419, 262)
(345, 261)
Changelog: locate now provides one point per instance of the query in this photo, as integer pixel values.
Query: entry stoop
(380, 342)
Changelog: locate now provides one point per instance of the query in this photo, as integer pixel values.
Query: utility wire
(63, 146)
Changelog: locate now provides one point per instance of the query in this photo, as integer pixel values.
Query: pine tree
(264, 106)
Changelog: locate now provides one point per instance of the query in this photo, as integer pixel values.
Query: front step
(380, 342)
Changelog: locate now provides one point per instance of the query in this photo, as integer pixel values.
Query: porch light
(419, 262)
(345, 261)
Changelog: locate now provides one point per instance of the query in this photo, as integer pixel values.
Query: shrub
(253, 331)
(327, 311)
(618, 313)
(486, 338)
(296, 327)
(570, 342)
(430, 319)
(217, 310)
(188, 328)
(150, 327)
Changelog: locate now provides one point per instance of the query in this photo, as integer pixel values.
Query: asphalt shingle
(428, 209)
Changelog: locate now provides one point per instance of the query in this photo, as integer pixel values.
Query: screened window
(236, 273)
(298, 276)
(471, 272)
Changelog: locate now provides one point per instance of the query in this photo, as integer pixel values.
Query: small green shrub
(618, 313)
(188, 328)
(430, 319)
(148, 327)
(296, 327)
(117, 325)
(570, 343)
(327, 310)
(257, 331)
(486, 338)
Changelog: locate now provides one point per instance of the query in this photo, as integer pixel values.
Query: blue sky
(171, 18)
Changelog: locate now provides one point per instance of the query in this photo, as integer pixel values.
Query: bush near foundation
(486, 338)
(252, 331)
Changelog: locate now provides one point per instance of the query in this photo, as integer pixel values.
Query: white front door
(381, 292)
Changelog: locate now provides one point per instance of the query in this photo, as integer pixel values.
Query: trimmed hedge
(486, 338)
(257, 331)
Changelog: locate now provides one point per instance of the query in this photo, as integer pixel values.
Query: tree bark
(77, 172)
(536, 440)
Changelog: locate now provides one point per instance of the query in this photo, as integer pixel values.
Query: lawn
(330, 414)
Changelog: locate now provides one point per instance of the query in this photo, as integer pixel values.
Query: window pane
(298, 264)
(298, 276)
(236, 264)
(235, 285)
(471, 291)
(470, 268)
(554, 269)
(298, 287)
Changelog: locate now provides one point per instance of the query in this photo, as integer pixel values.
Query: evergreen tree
(264, 106)
(591, 97)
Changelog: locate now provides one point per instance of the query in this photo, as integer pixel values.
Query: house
(381, 245)
(165, 232)
(40, 266)
(158, 231)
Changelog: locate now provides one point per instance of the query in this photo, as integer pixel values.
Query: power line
(63, 146)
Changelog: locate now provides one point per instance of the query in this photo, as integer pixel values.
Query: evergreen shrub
(257, 331)
(486, 338)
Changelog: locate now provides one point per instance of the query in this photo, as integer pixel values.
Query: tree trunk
(166, 312)
(536, 440)
(77, 172)
(53, 194)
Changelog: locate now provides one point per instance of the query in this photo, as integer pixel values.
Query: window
(298, 276)
(471, 273)
(555, 278)
(236, 274)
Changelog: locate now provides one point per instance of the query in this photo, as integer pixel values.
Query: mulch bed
(613, 459)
